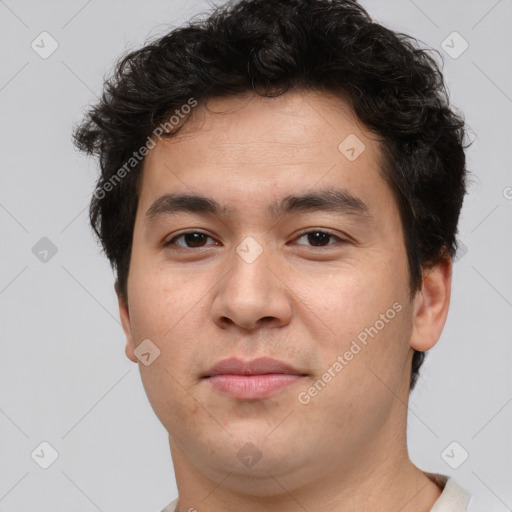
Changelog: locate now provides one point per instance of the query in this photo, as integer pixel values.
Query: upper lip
(260, 366)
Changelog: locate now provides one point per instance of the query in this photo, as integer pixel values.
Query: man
(280, 190)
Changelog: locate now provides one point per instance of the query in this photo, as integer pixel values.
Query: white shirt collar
(453, 498)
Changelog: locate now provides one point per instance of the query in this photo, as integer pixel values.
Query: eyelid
(327, 231)
(167, 240)
(340, 239)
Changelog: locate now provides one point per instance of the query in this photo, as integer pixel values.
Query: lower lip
(252, 386)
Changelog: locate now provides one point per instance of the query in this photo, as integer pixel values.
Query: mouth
(256, 379)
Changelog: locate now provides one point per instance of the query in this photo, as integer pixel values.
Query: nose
(252, 294)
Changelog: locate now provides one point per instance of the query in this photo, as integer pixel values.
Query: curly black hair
(270, 47)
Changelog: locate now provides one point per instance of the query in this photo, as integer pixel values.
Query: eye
(191, 239)
(197, 239)
(317, 237)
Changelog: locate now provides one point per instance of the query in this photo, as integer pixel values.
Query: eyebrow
(338, 201)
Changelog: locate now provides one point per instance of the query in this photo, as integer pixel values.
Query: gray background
(64, 377)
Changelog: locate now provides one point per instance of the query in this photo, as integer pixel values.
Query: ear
(431, 305)
(124, 314)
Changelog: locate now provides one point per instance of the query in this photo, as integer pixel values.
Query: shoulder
(171, 507)
(454, 498)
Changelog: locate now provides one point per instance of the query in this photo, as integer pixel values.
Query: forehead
(246, 149)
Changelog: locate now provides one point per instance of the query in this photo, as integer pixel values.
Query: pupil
(322, 236)
(196, 239)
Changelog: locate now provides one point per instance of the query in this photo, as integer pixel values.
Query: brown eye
(319, 238)
(191, 239)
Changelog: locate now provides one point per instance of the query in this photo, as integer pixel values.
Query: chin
(265, 479)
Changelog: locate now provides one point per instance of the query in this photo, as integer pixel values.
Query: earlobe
(124, 314)
(431, 305)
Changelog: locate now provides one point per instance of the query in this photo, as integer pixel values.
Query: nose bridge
(251, 264)
(251, 290)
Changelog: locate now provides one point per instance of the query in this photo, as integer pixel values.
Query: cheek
(164, 310)
(369, 322)
(162, 300)
(349, 301)
(358, 399)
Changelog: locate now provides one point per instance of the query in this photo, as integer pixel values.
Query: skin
(297, 302)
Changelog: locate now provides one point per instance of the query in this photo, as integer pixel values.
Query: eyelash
(323, 231)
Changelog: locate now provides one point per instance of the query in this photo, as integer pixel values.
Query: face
(295, 252)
